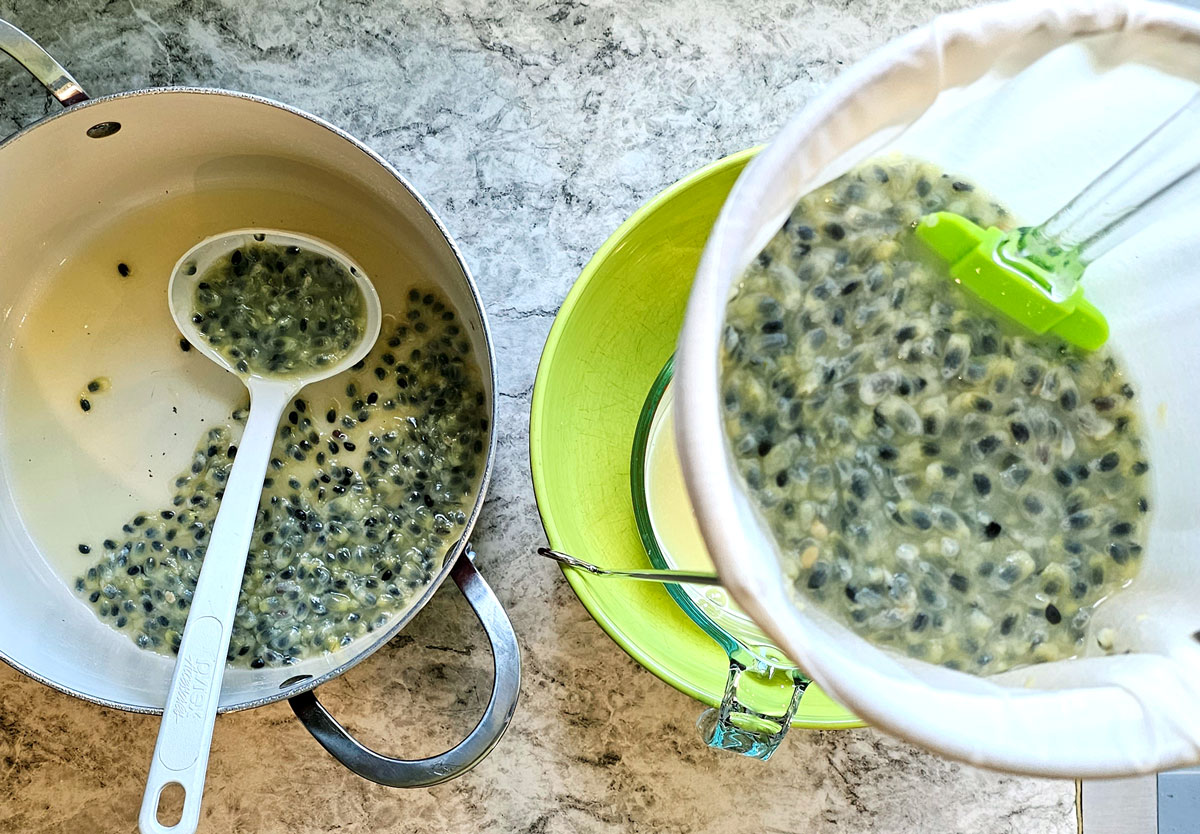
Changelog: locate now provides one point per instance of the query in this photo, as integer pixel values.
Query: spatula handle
(1127, 197)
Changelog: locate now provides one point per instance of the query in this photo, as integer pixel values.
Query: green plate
(615, 330)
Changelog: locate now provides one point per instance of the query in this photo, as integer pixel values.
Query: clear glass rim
(645, 527)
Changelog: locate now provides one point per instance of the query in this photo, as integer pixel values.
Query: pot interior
(74, 206)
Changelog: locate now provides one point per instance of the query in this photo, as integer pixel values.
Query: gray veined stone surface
(533, 129)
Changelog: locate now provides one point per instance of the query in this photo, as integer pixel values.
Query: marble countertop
(533, 128)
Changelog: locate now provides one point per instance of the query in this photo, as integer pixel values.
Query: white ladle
(181, 753)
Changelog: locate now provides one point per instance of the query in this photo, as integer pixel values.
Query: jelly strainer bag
(1031, 103)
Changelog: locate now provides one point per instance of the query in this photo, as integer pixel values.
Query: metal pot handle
(419, 773)
(40, 65)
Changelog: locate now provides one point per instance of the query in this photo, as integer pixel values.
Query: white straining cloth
(1031, 103)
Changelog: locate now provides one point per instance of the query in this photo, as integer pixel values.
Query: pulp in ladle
(278, 310)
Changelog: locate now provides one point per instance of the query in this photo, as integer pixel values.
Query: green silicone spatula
(1032, 274)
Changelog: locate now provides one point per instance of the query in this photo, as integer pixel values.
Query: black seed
(906, 333)
(1052, 615)
(1007, 624)
(1063, 477)
(1068, 399)
(1019, 431)
(818, 576)
(920, 621)
(123, 269)
(1121, 528)
(1118, 552)
(962, 186)
(959, 582)
(1033, 505)
(1143, 505)
(84, 404)
(1109, 462)
(988, 444)
(992, 530)
(834, 231)
(983, 484)
(1103, 404)
(331, 416)
(83, 548)
(1079, 521)
(858, 485)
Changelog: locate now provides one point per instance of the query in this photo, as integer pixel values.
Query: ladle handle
(181, 753)
(41, 65)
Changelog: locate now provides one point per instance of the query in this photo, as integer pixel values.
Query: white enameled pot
(1031, 100)
(68, 178)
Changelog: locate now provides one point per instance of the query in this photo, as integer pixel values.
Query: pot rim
(460, 548)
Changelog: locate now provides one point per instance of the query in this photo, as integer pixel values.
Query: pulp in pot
(374, 472)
